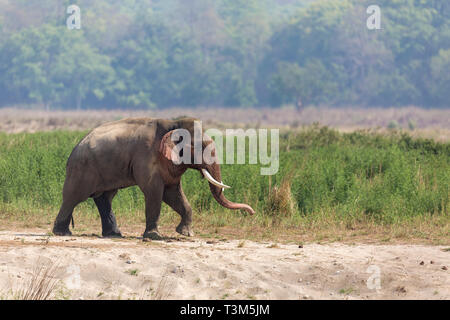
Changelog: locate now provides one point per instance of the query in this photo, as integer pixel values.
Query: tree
(51, 65)
(155, 53)
(308, 85)
(300, 63)
(440, 78)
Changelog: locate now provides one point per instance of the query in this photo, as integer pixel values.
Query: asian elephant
(136, 151)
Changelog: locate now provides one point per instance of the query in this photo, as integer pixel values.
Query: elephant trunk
(217, 189)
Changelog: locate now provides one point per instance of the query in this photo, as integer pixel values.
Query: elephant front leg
(175, 198)
(153, 198)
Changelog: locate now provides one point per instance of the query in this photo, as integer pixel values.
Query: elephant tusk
(213, 181)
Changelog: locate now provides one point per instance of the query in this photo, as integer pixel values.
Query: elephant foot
(112, 234)
(185, 230)
(153, 235)
(61, 231)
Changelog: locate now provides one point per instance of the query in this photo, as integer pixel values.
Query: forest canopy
(229, 53)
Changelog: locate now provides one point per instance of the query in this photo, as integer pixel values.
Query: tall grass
(351, 177)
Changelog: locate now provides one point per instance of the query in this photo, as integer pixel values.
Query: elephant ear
(166, 147)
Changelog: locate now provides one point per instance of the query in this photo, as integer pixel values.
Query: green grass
(325, 178)
(133, 272)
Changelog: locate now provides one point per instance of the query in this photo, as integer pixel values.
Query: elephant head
(173, 147)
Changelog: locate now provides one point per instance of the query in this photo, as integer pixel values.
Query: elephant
(136, 151)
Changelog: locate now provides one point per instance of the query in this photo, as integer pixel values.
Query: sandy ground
(178, 268)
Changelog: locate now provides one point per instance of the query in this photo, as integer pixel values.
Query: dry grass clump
(41, 284)
(164, 288)
(280, 201)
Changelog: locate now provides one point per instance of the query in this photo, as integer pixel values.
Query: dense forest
(162, 53)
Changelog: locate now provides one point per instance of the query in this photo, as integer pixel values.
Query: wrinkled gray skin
(132, 152)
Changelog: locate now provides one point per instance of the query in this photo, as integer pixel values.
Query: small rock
(431, 262)
(422, 263)
(444, 268)
(124, 256)
(400, 289)
(300, 246)
(130, 261)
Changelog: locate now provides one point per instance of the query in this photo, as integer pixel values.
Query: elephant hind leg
(77, 188)
(109, 224)
(62, 221)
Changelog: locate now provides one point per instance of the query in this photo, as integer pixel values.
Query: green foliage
(440, 76)
(152, 54)
(354, 176)
(52, 65)
(310, 84)
(398, 65)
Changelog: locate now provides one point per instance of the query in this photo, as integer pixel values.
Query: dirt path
(96, 268)
(433, 123)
